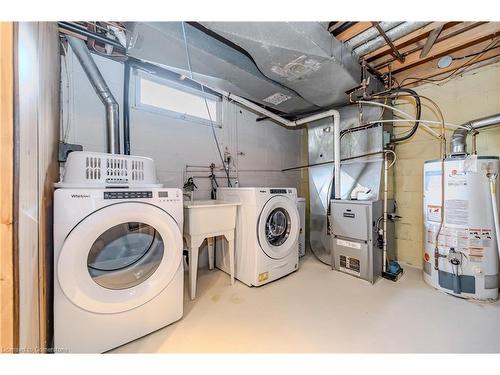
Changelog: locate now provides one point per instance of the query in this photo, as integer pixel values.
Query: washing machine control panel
(278, 191)
(127, 194)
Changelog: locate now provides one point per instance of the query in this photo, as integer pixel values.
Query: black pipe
(126, 107)
(331, 162)
(83, 31)
(339, 30)
(417, 115)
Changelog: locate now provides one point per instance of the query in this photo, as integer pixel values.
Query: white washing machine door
(119, 257)
(278, 227)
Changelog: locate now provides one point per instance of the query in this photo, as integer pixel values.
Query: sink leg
(193, 269)
(210, 243)
(231, 259)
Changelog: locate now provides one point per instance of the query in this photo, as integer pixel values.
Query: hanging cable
(188, 59)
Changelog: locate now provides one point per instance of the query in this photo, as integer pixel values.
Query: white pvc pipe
(257, 108)
(493, 185)
(291, 124)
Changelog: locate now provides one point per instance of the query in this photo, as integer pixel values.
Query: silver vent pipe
(458, 144)
(101, 88)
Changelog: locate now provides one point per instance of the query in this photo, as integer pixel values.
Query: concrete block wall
(475, 94)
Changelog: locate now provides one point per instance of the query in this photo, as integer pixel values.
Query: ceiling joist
(463, 58)
(448, 33)
(447, 46)
(351, 32)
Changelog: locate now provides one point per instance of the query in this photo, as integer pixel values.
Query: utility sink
(208, 216)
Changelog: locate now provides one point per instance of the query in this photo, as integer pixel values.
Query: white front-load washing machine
(267, 231)
(118, 272)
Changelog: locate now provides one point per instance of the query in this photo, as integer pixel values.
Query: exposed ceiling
(420, 45)
(299, 67)
(290, 67)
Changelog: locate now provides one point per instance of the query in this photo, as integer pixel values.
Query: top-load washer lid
(278, 227)
(119, 257)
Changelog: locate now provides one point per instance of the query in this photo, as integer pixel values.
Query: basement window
(177, 100)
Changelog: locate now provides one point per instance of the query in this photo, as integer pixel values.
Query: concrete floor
(319, 310)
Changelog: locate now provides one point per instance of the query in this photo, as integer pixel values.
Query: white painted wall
(259, 149)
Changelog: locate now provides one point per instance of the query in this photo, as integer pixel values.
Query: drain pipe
(458, 144)
(101, 88)
(334, 114)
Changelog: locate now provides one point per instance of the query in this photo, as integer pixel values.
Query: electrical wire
(226, 168)
(394, 160)
(418, 113)
(455, 72)
(475, 54)
(438, 110)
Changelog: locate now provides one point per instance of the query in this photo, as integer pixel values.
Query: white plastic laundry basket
(101, 170)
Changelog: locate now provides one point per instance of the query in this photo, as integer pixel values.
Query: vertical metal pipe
(336, 150)
(126, 108)
(101, 88)
(386, 172)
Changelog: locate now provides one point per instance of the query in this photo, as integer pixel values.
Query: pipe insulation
(370, 34)
(103, 92)
(458, 144)
(395, 33)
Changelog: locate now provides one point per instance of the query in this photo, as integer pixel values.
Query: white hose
(493, 186)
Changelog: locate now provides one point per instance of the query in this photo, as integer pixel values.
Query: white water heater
(467, 261)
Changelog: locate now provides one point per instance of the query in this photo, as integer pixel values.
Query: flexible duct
(458, 145)
(370, 34)
(101, 88)
(394, 34)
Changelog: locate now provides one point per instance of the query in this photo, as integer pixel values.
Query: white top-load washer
(267, 231)
(118, 272)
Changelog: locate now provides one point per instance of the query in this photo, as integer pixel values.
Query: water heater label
(434, 213)
(456, 211)
(457, 178)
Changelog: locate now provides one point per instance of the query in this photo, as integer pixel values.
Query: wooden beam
(352, 31)
(418, 45)
(8, 320)
(430, 68)
(474, 36)
(406, 40)
(388, 41)
(431, 39)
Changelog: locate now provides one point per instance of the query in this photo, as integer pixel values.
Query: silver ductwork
(395, 33)
(458, 144)
(291, 67)
(103, 92)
